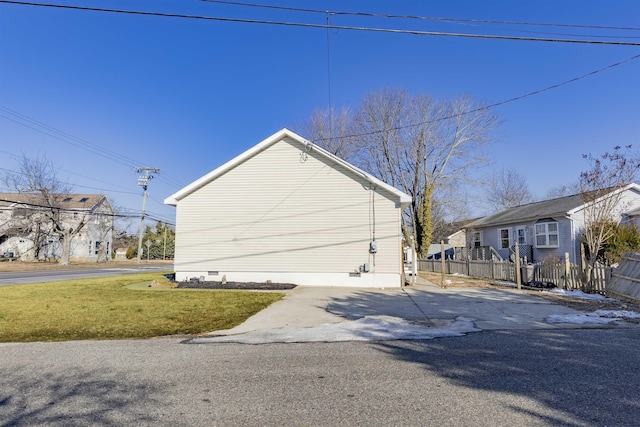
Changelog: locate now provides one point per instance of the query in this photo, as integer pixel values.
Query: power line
(74, 185)
(322, 26)
(425, 18)
(486, 107)
(123, 214)
(64, 136)
(75, 141)
(72, 173)
(103, 190)
(38, 207)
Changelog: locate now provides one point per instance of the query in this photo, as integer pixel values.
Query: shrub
(626, 238)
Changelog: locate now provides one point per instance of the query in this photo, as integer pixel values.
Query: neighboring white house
(546, 228)
(288, 211)
(26, 233)
(632, 217)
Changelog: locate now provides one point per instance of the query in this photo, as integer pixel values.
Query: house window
(547, 235)
(84, 199)
(67, 199)
(476, 239)
(503, 235)
(521, 236)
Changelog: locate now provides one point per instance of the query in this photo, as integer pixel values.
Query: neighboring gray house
(26, 232)
(289, 211)
(546, 228)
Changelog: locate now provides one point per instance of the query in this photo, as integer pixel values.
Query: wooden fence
(505, 270)
(625, 283)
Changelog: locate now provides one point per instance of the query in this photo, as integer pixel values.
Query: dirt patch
(581, 304)
(163, 285)
(455, 281)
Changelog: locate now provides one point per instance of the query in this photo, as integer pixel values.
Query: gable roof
(562, 206)
(284, 133)
(70, 201)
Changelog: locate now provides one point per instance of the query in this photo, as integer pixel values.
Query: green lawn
(110, 308)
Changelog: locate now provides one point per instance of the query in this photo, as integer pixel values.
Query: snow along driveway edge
(369, 328)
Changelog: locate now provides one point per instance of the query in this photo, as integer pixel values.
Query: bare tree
(38, 176)
(507, 189)
(450, 208)
(333, 130)
(563, 190)
(105, 228)
(601, 187)
(418, 144)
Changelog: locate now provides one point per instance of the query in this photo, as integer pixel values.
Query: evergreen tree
(161, 242)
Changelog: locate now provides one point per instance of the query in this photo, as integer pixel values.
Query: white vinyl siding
(284, 210)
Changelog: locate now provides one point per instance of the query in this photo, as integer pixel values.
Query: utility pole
(143, 181)
(164, 251)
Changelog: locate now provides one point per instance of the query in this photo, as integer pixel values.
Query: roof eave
(519, 221)
(173, 199)
(632, 186)
(404, 199)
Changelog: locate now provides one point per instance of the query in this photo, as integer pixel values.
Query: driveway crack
(416, 304)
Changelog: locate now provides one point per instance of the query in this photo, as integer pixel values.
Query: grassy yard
(106, 308)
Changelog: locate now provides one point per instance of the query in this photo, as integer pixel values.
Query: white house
(288, 211)
(26, 230)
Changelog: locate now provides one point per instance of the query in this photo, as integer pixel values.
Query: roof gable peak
(291, 136)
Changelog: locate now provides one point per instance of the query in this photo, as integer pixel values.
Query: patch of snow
(618, 313)
(577, 294)
(505, 282)
(598, 317)
(369, 328)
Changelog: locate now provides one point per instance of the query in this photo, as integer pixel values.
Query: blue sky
(186, 95)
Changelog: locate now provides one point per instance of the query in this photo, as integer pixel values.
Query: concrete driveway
(326, 314)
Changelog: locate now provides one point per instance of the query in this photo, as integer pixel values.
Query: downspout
(573, 239)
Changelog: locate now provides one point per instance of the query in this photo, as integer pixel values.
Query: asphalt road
(39, 276)
(501, 378)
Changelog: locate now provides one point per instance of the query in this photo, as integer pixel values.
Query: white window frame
(524, 235)
(475, 243)
(547, 234)
(501, 238)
